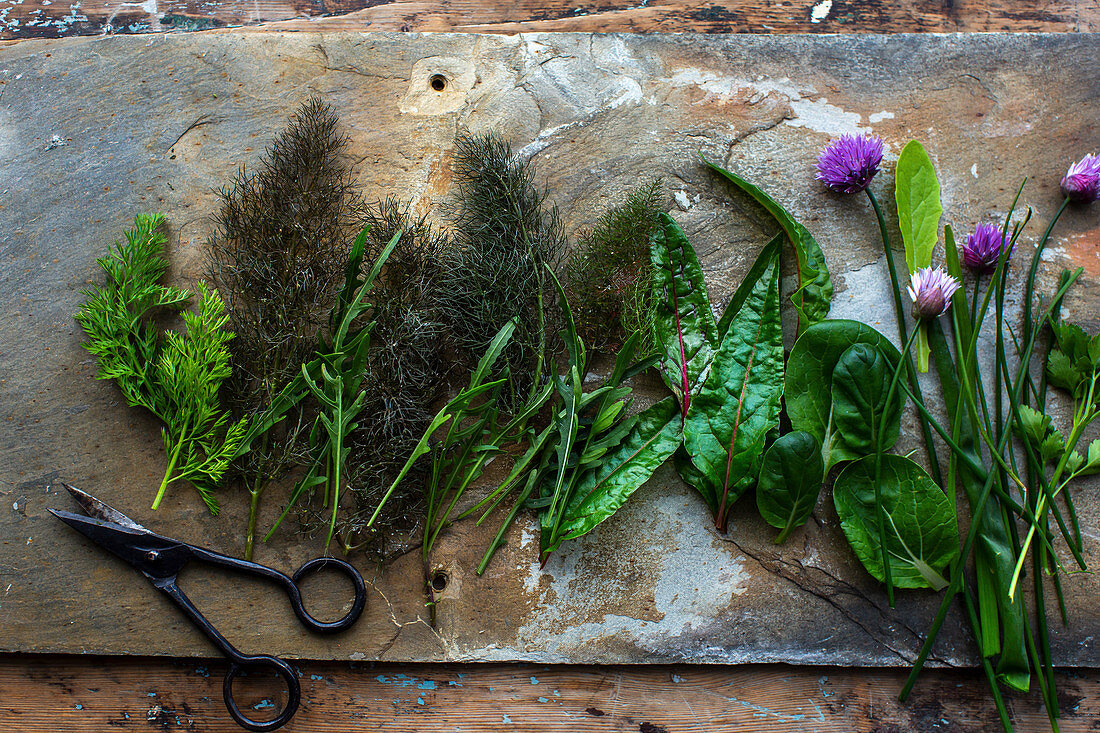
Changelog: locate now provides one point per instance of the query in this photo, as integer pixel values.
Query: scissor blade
(98, 509)
(150, 553)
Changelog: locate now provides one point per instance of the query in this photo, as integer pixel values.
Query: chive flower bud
(848, 164)
(1082, 180)
(983, 249)
(931, 292)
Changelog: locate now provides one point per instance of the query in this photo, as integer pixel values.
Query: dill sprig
(174, 376)
(505, 235)
(608, 276)
(277, 254)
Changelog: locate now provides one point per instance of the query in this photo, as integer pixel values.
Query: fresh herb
(504, 238)
(608, 277)
(790, 481)
(174, 376)
(279, 244)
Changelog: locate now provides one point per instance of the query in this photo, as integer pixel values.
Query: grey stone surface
(95, 131)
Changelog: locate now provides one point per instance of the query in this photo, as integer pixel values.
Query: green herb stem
(899, 312)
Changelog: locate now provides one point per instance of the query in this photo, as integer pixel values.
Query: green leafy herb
(814, 293)
(790, 481)
(809, 381)
(504, 236)
(737, 407)
(608, 277)
(921, 533)
(174, 376)
(276, 253)
(860, 386)
(686, 330)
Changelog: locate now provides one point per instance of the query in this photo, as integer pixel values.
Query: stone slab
(93, 131)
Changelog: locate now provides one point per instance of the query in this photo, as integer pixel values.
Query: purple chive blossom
(931, 292)
(983, 249)
(1082, 180)
(848, 164)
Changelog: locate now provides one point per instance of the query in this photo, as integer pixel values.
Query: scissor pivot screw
(152, 554)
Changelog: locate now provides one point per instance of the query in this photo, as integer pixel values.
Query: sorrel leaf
(922, 535)
(861, 382)
(686, 331)
(809, 378)
(790, 480)
(744, 290)
(654, 436)
(728, 421)
(815, 288)
(917, 194)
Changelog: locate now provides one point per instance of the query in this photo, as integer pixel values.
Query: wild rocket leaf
(686, 331)
(728, 422)
(809, 378)
(922, 536)
(790, 480)
(861, 382)
(815, 288)
(654, 436)
(917, 194)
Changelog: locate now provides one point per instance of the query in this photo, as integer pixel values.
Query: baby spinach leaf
(861, 381)
(922, 534)
(728, 421)
(917, 194)
(815, 288)
(790, 480)
(809, 379)
(653, 437)
(686, 330)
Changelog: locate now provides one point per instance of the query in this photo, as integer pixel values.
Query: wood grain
(78, 694)
(54, 18)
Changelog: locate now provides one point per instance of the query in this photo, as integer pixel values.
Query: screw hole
(439, 581)
(438, 82)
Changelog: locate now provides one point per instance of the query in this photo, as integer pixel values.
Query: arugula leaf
(922, 536)
(790, 480)
(861, 381)
(814, 294)
(686, 330)
(729, 420)
(917, 194)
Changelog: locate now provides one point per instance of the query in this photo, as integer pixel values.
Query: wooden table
(76, 693)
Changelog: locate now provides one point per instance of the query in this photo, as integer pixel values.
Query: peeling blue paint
(507, 719)
(264, 704)
(426, 685)
(534, 681)
(419, 701)
(557, 694)
(543, 699)
(202, 671)
(79, 706)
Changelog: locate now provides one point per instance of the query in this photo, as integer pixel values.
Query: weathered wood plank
(90, 135)
(92, 695)
(51, 19)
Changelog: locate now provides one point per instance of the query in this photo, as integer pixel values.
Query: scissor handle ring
(328, 627)
(293, 687)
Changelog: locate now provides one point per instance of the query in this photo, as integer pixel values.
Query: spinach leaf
(809, 378)
(654, 436)
(686, 331)
(922, 534)
(815, 288)
(728, 422)
(917, 194)
(790, 480)
(861, 381)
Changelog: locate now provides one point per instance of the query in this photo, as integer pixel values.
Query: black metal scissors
(160, 559)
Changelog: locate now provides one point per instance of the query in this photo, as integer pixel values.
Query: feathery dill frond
(505, 235)
(277, 254)
(608, 276)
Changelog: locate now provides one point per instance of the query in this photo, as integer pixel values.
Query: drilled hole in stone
(439, 581)
(438, 82)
